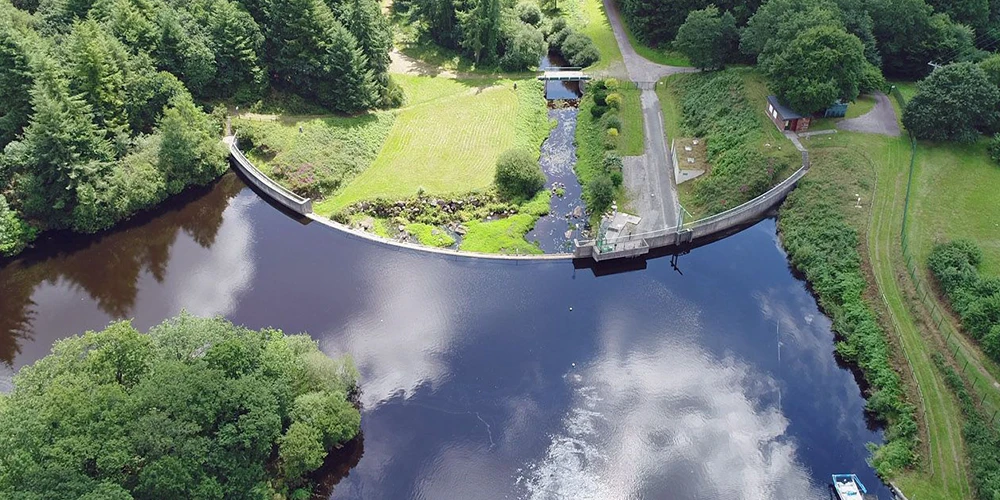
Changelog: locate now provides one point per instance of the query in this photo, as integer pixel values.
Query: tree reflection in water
(107, 266)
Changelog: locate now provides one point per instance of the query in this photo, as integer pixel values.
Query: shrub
(612, 161)
(579, 49)
(586, 56)
(994, 148)
(613, 132)
(305, 179)
(600, 194)
(616, 178)
(598, 111)
(976, 299)
(611, 84)
(525, 45)
(614, 100)
(518, 176)
(611, 120)
(15, 234)
(528, 12)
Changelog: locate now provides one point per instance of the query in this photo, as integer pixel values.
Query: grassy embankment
(820, 229)
(746, 153)
(940, 472)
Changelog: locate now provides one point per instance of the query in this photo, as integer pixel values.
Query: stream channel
(555, 232)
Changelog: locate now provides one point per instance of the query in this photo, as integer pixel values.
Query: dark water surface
(479, 381)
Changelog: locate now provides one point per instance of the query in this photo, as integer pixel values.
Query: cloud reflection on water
(660, 415)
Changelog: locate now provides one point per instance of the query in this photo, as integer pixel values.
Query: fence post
(966, 366)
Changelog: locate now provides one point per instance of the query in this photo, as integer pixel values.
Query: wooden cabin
(784, 117)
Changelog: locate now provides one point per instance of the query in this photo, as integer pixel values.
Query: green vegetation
(196, 408)
(956, 103)
(430, 235)
(588, 17)
(598, 154)
(505, 236)
(822, 242)
(323, 157)
(519, 175)
(982, 438)
(449, 144)
(975, 298)
(104, 101)
(860, 106)
(707, 38)
(746, 152)
(487, 33)
(575, 47)
(956, 185)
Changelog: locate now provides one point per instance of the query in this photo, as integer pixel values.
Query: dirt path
(880, 120)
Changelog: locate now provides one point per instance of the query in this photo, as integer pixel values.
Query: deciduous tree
(956, 102)
(708, 38)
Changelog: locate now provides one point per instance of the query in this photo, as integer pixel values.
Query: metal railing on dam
(275, 191)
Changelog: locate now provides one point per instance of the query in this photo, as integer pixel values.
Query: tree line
(104, 109)
(899, 36)
(498, 33)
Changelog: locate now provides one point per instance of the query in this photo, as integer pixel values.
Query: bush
(15, 234)
(598, 111)
(612, 132)
(600, 194)
(529, 13)
(525, 46)
(518, 176)
(305, 179)
(612, 162)
(576, 48)
(611, 120)
(614, 100)
(976, 299)
(994, 148)
(586, 56)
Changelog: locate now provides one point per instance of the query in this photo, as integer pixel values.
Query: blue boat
(849, 487)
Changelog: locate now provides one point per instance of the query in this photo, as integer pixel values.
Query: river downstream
(486, 379)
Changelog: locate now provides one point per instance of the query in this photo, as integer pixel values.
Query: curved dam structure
(604, 249)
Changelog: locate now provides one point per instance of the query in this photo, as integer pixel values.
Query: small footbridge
(563, 74)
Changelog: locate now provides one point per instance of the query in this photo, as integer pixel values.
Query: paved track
(649, 178)
(880, 120)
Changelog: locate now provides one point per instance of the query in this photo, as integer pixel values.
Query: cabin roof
(785, 112)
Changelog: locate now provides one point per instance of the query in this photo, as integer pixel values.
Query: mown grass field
(448, 137)
(955, 196)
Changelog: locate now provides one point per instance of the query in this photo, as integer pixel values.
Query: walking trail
(649, 178)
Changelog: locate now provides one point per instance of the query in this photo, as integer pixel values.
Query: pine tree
(349, 84)
(372, 30)
(480, 23)
(96, 67)
(15, 83)
(66, 149)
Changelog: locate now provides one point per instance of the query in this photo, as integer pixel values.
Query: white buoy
(571, 309)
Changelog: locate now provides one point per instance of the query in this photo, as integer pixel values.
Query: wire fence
(982, 385)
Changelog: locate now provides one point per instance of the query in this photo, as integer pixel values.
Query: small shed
(836, 110)
(784, 117)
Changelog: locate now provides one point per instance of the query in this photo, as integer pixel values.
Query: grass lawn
(588, 17)
(954, 196)
(631, 141)
(430, 235)
(862, 105)
(449, 139)
(941, 474)
(501, 236)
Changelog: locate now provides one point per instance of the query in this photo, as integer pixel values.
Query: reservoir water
(484, 379)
